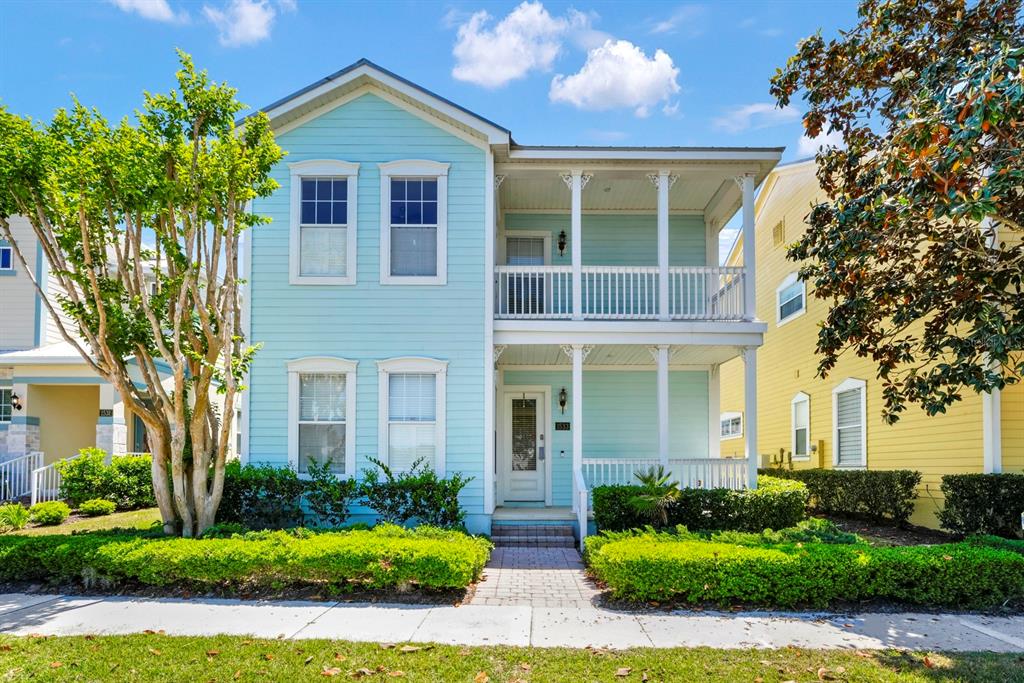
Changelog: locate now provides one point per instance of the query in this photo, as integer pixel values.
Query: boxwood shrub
(50, 513)
(983, 504)
(384, 557)
(659, 567)
(774, 504)
(882, 496)
(127, 481)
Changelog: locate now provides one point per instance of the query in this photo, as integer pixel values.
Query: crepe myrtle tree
(166, 196)
(918, 244)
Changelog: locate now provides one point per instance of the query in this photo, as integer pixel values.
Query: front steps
(532, 535)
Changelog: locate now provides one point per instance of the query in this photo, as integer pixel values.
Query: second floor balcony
(546, 292)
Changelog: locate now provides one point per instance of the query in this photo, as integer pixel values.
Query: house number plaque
(562, 426)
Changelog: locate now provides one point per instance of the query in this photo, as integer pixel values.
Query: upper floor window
(323, 222)
(732, 425)
(790, 299)
(849, 415)
(321, 412)
(412, 412)
(801, 425)
(5, 405)
(414, 222)
(6, 256)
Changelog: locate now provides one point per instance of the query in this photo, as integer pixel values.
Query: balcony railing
(619, 293)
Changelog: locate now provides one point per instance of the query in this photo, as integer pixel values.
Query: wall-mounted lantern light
(562, 240)
(15, 401)
(563, 397)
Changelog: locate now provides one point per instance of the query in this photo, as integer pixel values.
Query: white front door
(524, 446)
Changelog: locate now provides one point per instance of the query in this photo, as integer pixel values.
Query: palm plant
(657, 493)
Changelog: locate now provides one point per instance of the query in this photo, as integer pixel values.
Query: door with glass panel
(523, 475)
(525, 289)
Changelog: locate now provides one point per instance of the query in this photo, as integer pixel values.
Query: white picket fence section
(16, 476)
(619, 292)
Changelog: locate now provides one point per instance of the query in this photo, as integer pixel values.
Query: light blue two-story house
(543, 319)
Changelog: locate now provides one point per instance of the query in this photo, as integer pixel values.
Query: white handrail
(582, 495)
(16, 475)
(46, 482)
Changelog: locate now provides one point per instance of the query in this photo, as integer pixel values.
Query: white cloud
(619, 74)
(690, 19)
(808, 147)
(755, 117)
(155, 10)
(528, 39)
(726, 238)
(245, 22)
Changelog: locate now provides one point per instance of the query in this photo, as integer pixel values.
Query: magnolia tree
(140, 224)
(918, 246)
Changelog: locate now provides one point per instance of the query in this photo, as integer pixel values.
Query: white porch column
(992, 432)
(663, 184)
(749, 247)
(750, 414)
(662, 354)
(111, 428)
(576, 243)
(577, 353)
(714, 413)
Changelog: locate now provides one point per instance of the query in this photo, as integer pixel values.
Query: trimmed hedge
(661, 568)
(384, 557)
(983, 504)
(882, 496)
(774, 504)
(50, 513)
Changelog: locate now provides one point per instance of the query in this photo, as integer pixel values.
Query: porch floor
(533, 514)
(535, 577)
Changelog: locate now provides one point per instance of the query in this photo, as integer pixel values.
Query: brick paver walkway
(537, 577)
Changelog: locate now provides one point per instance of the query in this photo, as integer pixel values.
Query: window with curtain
(849, 427)
(412, 419)
(323, 229)
(801, 425)
(414, 227)
(322, 399)
(5, 405)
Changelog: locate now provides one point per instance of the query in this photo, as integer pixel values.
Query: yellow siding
(1013, 428)
(787, 364)
(67, 418)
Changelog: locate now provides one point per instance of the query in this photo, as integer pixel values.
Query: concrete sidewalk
(24, 614)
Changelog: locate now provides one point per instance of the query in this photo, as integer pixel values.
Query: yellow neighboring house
(836, 422)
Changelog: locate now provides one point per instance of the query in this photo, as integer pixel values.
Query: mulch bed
(878, 534)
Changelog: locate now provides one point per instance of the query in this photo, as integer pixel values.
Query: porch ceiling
(614, 355)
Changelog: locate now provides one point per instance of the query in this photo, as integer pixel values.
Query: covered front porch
(570, 417)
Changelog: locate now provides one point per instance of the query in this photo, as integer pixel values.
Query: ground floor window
(801, 425)
(321, 409)
(412, 412)
(848, 419)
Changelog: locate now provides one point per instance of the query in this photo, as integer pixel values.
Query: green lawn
(156, 657)
(136, 519)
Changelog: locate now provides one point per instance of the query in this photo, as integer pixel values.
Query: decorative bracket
(738, 179)
(653, 350)
(584, 179)
(567, 349)
(498, 350)
(655, 179)
(498, 180)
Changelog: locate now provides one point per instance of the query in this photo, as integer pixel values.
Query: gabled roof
(322, 92)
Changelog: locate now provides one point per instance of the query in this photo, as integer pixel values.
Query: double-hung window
(790, 299)
(414, 222)
(323, 222)
(412, 412)
(321, 414)
(5, 405)
(801, 425)
(849, 413)
(732, 425)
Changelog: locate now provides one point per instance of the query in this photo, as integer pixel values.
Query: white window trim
(790, 279)
(6, 245)
(847, 385)
(728, 416)
(800, 397)
(321, 168)
(414, 168)
(322, 364)
(10, 409)
(412, 364)
(506, 234)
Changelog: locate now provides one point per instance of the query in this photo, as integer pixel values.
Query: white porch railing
(582, 504)
(706, 292)
(16, 476)
(533, 292)
(46, 482)
(619, 292)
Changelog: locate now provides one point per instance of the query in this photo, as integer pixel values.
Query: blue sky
(587, 73)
